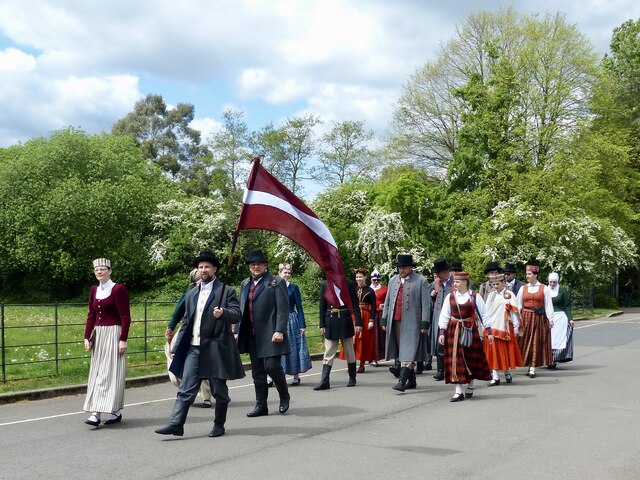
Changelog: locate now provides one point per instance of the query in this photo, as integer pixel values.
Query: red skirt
(535, 344)
(364, 343)
(463, 364)
(503, 354)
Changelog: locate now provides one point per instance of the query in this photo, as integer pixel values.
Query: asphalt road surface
(581, 421)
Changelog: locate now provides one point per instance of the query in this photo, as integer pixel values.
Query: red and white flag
(269, 205)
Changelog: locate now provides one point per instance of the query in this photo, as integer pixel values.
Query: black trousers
(260, 368)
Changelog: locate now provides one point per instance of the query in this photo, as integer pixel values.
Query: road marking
(146, 402)
(608, 321)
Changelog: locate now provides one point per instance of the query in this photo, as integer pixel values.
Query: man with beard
(406, 317)
(205, 347)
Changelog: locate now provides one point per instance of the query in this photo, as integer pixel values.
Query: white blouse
(104, 289)
(548, 302)
(445, 313)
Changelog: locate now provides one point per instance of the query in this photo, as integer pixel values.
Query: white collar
(208, 285)
(108, 285)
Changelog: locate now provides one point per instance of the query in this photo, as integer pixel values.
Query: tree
(287, 149)
(553, 68)
(164, 134)
(68, 199)
(345, 153)
(232, 149)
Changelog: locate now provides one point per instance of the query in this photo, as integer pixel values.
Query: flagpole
(234, 240)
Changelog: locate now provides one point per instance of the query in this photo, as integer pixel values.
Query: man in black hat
(264, 303)
(491, 270)
(510, 280)
(205, 347)
(438, 290)
(406, 318)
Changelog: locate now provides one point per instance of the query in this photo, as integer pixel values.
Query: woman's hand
(370, 326)
(303, 331)
(87, 344)
(490, 337)
(168, 334)
(441, 339)
(122, 347)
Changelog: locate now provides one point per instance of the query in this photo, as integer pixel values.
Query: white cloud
(14, 60)
(207, 127)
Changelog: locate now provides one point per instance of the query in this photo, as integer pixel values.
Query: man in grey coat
(438, 290)
(264, 303)
(205, 347)
(406, 317)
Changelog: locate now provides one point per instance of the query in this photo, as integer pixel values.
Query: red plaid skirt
(470, 363)
(535, 344)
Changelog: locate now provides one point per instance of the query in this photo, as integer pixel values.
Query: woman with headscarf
(502, 325)
(562, 330)
(381, 292)
(298, 360)
(536, 316)
(464, 359)
(105, 335)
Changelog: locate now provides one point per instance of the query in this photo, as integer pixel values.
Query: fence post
(4, 370)
(55, 316)
(145, 332)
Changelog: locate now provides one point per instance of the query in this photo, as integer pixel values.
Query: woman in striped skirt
(536, 316)
(105, 336)
(463, 363)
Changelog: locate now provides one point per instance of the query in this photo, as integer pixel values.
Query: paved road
(579, 422)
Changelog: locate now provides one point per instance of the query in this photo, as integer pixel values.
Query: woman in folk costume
(298, 360)
(562, 330)
(502, 325)
(381, 292)
(464, 359)
(365, 342)
(106, 336)
(536, 318)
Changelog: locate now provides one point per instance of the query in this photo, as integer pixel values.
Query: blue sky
(85, 63)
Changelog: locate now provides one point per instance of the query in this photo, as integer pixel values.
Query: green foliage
(71, 198)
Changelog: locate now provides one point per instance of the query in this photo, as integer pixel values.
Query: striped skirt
(105, 389)
(463, 364)
(535, 344)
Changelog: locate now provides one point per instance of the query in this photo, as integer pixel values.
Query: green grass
(592, 314)
(30, 353)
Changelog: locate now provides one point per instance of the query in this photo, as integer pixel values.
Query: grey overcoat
(417, 316)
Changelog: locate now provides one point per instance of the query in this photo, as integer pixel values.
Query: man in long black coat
(336, 324)
(264, 303)
(205, 347)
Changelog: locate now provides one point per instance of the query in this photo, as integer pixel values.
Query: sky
(85, 63)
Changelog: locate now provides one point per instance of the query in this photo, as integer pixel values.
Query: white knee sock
(494, 374)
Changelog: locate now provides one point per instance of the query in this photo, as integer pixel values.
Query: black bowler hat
(493, 266)
(405, 260)
(455, 266)
(256, 256)
(440, 265)
(509, 268)
(207, 256)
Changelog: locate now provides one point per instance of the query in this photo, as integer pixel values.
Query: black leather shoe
(468, 393)
(177, 430)
(258, 411)
(218, 431)
(439, 375)
(116, 419)
(494, 383)
(458, 397)
(508, 378)
(93, 420)
(427, 366)
(284, 406)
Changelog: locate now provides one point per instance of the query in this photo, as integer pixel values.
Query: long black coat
(219, 356)
(270, 315)
(339, 325)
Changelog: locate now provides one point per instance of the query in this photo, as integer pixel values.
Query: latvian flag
(269, 205)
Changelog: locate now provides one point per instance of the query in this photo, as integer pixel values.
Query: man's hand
(278, 337)
(217, 312)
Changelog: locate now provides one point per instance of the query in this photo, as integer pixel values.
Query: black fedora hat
(440, 265)
(509, 268)
(405, 260)
(256, 256)
(492, 266)
(207, 256)
(455, 266)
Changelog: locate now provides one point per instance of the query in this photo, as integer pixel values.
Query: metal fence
(46, 339)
